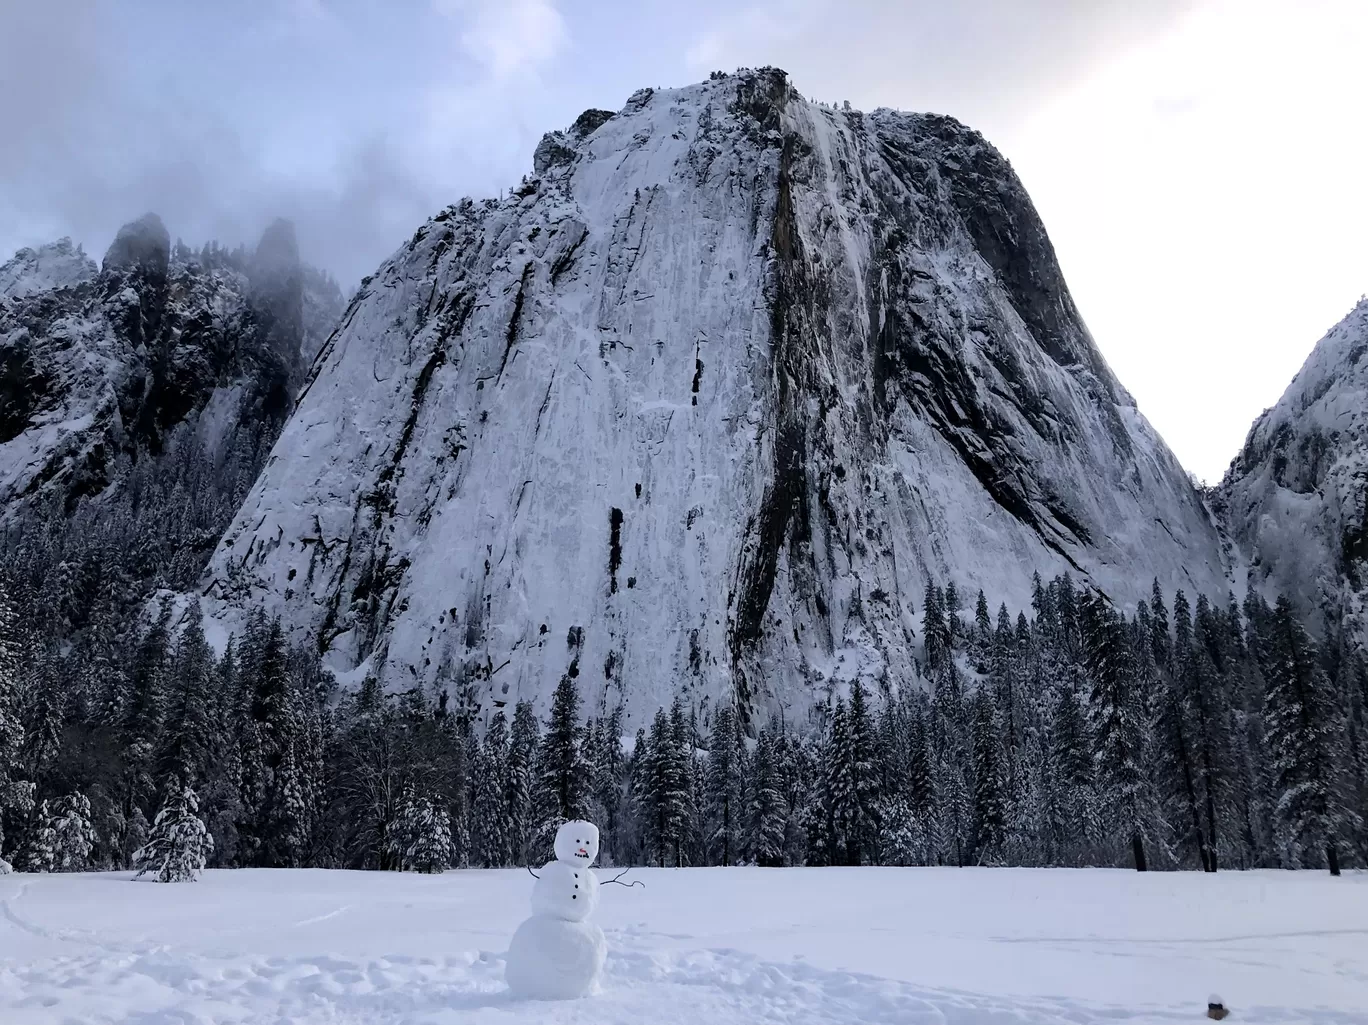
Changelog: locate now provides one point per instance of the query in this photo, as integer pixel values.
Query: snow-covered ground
(704, 947)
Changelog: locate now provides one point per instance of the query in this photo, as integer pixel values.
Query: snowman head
(577, 843)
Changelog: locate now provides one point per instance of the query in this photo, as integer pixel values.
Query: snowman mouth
(581, 853)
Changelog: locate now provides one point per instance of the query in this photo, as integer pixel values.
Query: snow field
(716, 946)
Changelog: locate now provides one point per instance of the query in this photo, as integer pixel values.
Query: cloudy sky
(1199, 163)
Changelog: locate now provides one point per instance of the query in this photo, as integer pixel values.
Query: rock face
(704, 407)
(60, 264)
(1296, 497)
(98, 367)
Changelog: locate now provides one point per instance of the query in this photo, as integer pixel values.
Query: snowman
(557, 954)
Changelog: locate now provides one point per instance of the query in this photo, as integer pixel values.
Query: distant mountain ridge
(98, 364)
(1296, 497)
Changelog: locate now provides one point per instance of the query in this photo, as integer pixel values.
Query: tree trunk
(1190, 791)
(1332, 856)
(1138, 850)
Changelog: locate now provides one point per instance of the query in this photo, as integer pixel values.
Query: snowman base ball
(553, 959)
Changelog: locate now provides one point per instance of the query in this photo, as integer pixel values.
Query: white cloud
(507, 37)
(737, 38)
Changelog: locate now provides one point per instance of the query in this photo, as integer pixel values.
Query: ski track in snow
(720, 986)
(237, 948)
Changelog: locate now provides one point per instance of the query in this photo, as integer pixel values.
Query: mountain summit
(1296, 497)
(704, 405)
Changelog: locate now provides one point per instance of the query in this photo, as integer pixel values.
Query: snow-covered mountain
(704, 404)
(1296, 497)
(98, 365)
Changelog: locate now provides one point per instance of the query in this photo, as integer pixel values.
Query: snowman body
(558, 954)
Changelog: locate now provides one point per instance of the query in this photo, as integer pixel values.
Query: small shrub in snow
(421, 840)
(39, 852)
(73, 834)
(179, 844)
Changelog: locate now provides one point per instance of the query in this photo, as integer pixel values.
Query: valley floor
(698, 946)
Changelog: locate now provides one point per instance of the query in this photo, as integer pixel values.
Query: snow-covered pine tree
(1351, 689)
(681, 752)
(1204, 685)
(563, 772)
(1161, 644)
(146, 711)
(187, 738)
(983, 632)
(953, 606)
(694, 844)
(634, 837)
(953, 800)
(665, 790)
(179, 843)
(921, 780)
(522, 755)
(422, 837)
(990, 799)
(73, 833)
(724, 789)
(609, 772)
(44, 717)
(837, 803)
(1121, 732)
(1175, 729)
(288, 822)
(862, 837)
(766, 807)
(16, 795)
(39, 852)
(489, 813)
(935, 642)
(1300, 719)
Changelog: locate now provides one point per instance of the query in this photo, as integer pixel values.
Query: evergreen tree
(952, 800)
(421, 840)
(1121, 733)
(935, 640)
(1300, 719)
(187, 740)
(663, 792)
(179, 843)
(767, 808)
(990, 800)
(16, 795)
(40, 850)
(564, 775)
(983, 630)
(73, 833)
(489, 813)
(836, 810)
(1206, 694)
(522, 755)
(862, 830)
(724, 789)
(681, 752)
(609, 772)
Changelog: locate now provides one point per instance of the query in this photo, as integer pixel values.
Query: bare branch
(618, 879)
